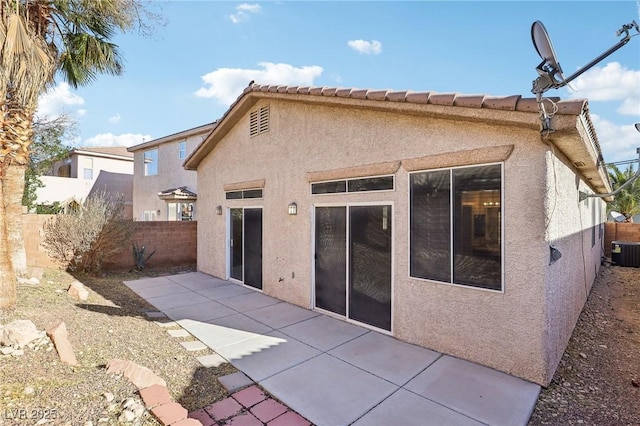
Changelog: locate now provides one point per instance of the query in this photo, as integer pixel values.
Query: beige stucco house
(444, 220)
(88, 170)
(162, 188)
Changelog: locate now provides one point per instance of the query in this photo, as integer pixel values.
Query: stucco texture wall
(171, 174)
(576, 230)
(504, 330)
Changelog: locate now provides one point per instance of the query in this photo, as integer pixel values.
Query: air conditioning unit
(625, 253)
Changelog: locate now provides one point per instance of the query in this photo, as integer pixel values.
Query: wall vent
(259, 121)
(579, 164)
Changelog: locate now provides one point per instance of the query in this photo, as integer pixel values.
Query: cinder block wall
(33, 231)
(614, 231)
(175, 244)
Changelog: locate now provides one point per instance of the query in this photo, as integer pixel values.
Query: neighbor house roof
(204, 129)
(181, 193)
(116, 152)
(569, 133)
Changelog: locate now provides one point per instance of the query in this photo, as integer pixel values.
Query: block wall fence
(175, 244)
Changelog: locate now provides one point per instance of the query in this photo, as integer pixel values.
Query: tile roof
(505, 103)
(394, 98)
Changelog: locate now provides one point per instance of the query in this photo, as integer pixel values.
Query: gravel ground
(111, 324)
(596, 383)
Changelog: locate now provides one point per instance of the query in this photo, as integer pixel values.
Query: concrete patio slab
(161, 290)
(203, 284)
(328, 391)
(147, 282)
(479, 392)
(207, 310)
(225, 331)
(213, 360)
(268, 354)
(175, 300)
(194, 345)
(189, 277)
(178, 333)
(372, 352)
(323, 332)
(249, 301)
(281, 315)
(331, 371)
(224, 291)
(235, 381)
(407, 408)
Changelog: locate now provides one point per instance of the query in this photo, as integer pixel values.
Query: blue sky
(194, 65)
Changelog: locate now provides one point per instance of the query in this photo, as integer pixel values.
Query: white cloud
(226, 84)
(618, 143)
(373, 47)
(114, 119)
(109, 139)
(613, 82)
(58, 101)
(242, 12)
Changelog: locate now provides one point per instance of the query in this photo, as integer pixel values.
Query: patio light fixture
(218, 209)
(293, 209)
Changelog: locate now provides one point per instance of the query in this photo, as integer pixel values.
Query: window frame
(346, 184)
(452, 225)
(242, 192)
(145, 163)
(87, 161)
(182, 150)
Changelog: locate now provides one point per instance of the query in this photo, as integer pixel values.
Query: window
(247, 193)
(151, 162)
(182, 150)
(456, 226)
(380, 183)
(179, 211)
(87, 171)
(149, 215)
(259, 121)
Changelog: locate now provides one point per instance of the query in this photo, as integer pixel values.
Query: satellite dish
(543, 46)
(617, 217)
(550, 67)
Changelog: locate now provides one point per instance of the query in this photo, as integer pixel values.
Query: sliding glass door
(245, 255)
(353, 262)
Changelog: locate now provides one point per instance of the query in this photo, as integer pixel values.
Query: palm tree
(39, 38)
(627, 202)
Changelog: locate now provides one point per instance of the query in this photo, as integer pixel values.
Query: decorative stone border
(154, 393)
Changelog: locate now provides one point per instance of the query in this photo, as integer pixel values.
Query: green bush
(85, 238)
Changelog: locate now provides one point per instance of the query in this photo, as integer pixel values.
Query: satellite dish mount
(550, 74)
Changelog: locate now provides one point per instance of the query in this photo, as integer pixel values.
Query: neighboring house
(444, 220)
(86, 170)
(162, 188)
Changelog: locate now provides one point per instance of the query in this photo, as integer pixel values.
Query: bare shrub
(88, 236)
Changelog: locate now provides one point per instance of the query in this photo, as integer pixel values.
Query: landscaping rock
(140, 376)
(18, 334)
(29, 281)
(77, 291)
(58, 334)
